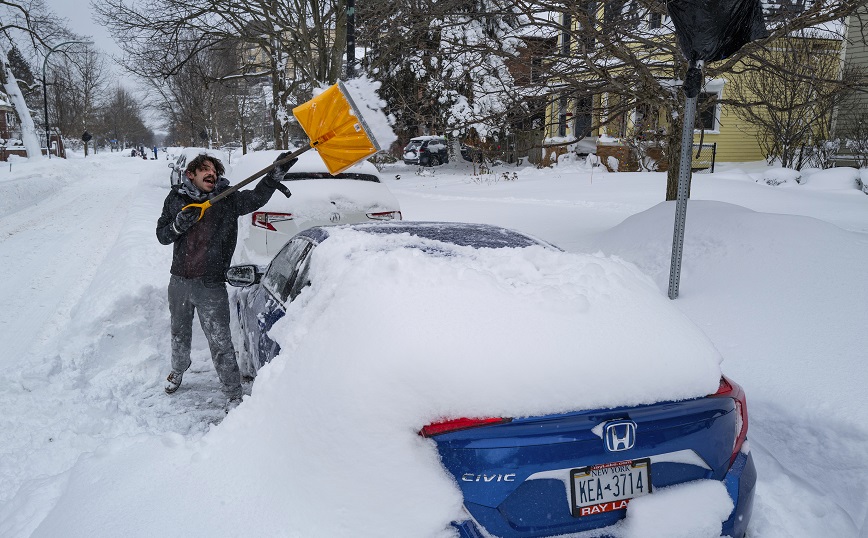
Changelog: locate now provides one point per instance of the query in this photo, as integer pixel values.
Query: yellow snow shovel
(335, 127)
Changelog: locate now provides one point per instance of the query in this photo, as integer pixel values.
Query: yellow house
(618, 127)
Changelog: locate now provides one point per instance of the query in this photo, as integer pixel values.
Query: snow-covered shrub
(855, 139)
(381, 159)
(779, 176)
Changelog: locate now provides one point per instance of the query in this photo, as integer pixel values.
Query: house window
(612, 12)
(588, 33)
(562, 116)
(646, 119)
(536, 63)
(583, 119)
(706, 111)
(566, 36)
(656, 21)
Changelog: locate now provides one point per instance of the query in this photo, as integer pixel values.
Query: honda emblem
(619, 435)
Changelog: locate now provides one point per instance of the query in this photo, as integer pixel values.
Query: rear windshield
(414, 144)
(295, 176)
(464, 234)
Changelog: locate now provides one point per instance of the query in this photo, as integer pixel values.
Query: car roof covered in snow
(455, 233)
(427, 137)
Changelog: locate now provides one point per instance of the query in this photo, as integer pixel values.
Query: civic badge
(619, 435)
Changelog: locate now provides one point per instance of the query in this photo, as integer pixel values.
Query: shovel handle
(202, 207)
(208, 203)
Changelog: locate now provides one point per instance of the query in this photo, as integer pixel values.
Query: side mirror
(242, 276)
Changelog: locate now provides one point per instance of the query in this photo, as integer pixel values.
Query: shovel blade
(336, 128)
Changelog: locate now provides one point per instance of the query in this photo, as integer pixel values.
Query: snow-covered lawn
(773, 275)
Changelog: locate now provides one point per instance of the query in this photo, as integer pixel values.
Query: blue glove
(279, 171)
(185, 219)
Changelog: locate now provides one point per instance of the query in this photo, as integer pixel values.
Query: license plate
(609, 486)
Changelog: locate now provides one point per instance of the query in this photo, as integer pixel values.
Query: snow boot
(232, 403)
(173, 381)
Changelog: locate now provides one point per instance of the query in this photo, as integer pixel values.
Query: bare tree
(25, 23)
(296, 44)
(792, 106)
(121, 120)
(78, 86)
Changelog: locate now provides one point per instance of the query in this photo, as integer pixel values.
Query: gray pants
(212, 305)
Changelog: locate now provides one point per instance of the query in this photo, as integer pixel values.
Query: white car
(178, 161)
(318, 198)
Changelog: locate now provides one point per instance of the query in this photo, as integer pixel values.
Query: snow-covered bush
(779, 176)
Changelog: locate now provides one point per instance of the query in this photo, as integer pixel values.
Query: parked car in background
(355, 195)
(178, 161)
(427, 151)
(520, 476)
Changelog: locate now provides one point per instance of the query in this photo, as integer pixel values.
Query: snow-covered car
(427, 151)
(562, 389)
(179, 161)
(355, 195)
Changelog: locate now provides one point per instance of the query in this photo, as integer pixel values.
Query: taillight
(454, 425)
(263, 219)
(385, 215)
(731, 389)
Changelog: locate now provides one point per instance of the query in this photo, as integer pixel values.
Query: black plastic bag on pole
(707, 31)
(712, 30)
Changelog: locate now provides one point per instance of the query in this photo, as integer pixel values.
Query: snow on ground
(772, 275)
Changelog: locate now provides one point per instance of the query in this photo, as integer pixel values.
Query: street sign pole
(692, 85)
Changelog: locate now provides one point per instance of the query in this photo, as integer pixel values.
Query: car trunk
(517, 477)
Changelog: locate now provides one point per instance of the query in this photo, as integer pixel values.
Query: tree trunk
(28, 130)
(673, 151)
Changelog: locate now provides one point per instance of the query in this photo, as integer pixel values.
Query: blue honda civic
(537, 476)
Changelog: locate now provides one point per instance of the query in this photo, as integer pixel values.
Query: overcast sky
(81, 20)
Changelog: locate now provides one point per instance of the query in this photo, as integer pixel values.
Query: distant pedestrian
(203, 249)
(155, 153)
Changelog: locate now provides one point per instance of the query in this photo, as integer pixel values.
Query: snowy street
(774, 276)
